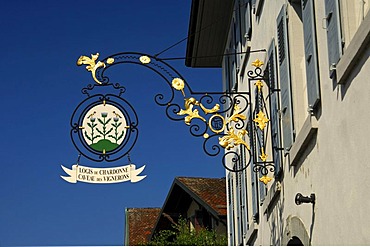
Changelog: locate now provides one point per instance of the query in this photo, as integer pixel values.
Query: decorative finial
(257, 63)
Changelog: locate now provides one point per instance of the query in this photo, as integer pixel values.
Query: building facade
(316, 75)
(199, 201)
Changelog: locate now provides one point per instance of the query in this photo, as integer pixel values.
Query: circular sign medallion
(104, 128)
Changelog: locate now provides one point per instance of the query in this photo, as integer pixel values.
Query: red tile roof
(140, 223)
(210, 190)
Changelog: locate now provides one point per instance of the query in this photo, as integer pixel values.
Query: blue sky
(40, 86)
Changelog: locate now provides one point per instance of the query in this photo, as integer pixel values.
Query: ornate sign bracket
(104, 126)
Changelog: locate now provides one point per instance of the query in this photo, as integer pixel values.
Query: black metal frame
(96, 99)
(198, 128)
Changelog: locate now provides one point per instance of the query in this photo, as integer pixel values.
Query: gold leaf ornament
(257, 63)
(261, 120)
(91, 65)
(189, 104)
(265, 179)
(232, 139)
(237, 115)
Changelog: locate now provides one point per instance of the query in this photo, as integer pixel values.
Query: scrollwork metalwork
(221, 118)
(235, 162)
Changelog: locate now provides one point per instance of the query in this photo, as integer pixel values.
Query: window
(347, 25)
(298, 67)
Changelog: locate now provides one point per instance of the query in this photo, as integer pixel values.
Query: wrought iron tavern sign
(104, 126)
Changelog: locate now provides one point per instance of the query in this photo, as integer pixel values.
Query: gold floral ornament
(265, 179)
(189, 104)
(178, 84)
(144, 59)
(231, 139)
(92, 65)
(261, 120)
(257, 63)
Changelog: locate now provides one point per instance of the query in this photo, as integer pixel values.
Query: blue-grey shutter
(333, 30)
(274, 101)
(284, 73)
(231, 210)
(247, 21)
(263, 191)
(309, 34)
(237, 207)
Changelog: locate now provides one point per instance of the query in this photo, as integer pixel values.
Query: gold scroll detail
(92, 65)
(232, 139)
(261, 120)
(214, 109)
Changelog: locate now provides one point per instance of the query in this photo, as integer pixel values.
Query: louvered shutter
(312, 72)
(247, 21)
(284, 73)
(334, 38)
(231, 210)
(274, 101)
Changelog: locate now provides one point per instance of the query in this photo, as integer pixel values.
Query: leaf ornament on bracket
(92, 65)
(236, 116)
(189, 104)
(231, 139)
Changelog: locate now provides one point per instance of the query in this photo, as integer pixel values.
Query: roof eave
(208, 30)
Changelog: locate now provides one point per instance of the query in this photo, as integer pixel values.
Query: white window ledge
(355, 50)
(308, 130)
